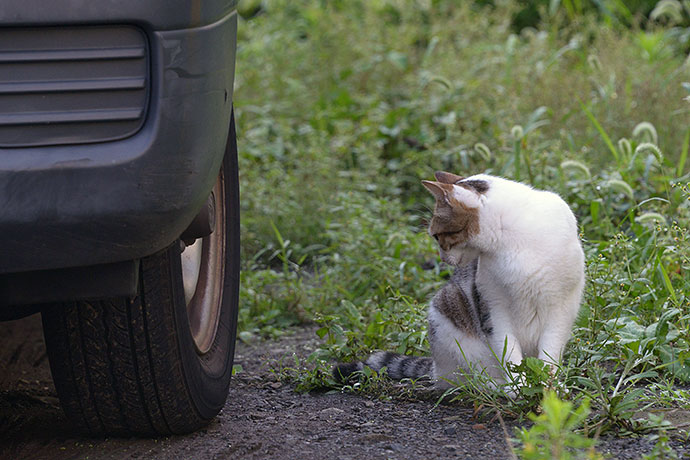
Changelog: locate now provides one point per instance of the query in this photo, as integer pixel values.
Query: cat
(516, 288)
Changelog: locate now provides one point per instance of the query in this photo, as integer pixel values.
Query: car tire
(159, 363)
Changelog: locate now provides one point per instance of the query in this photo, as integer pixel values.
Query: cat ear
(466, 197)
(452, 195)
(440, 191)
(447, 178)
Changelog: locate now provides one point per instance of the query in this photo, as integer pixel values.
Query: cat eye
(447, 234)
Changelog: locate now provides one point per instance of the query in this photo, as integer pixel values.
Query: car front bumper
(82, 204)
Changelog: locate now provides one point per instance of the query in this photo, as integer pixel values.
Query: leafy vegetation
(553, 433)
(344, 106)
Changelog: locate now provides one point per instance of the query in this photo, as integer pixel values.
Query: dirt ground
(262, 419)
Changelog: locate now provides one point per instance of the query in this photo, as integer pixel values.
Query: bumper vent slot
(72, 85)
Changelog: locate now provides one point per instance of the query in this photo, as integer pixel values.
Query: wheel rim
(203, 267)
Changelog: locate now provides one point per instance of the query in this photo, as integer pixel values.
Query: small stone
(332, 411)
(396, 447)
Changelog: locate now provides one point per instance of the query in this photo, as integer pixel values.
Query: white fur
(467, 197)
(452, 348)
(458, 256)
(530, 274)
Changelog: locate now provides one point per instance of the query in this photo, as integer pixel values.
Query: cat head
(455, 222)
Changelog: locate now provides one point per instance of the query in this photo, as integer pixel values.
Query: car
(119, 204)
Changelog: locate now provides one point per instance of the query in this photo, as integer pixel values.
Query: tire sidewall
(208, 375)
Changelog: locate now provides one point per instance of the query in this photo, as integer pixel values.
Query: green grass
(343, 107)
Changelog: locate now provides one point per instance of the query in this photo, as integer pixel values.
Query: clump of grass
(554, 434)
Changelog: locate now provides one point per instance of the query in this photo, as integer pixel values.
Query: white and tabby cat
(517, 285)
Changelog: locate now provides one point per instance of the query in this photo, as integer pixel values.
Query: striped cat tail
(398, 366)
